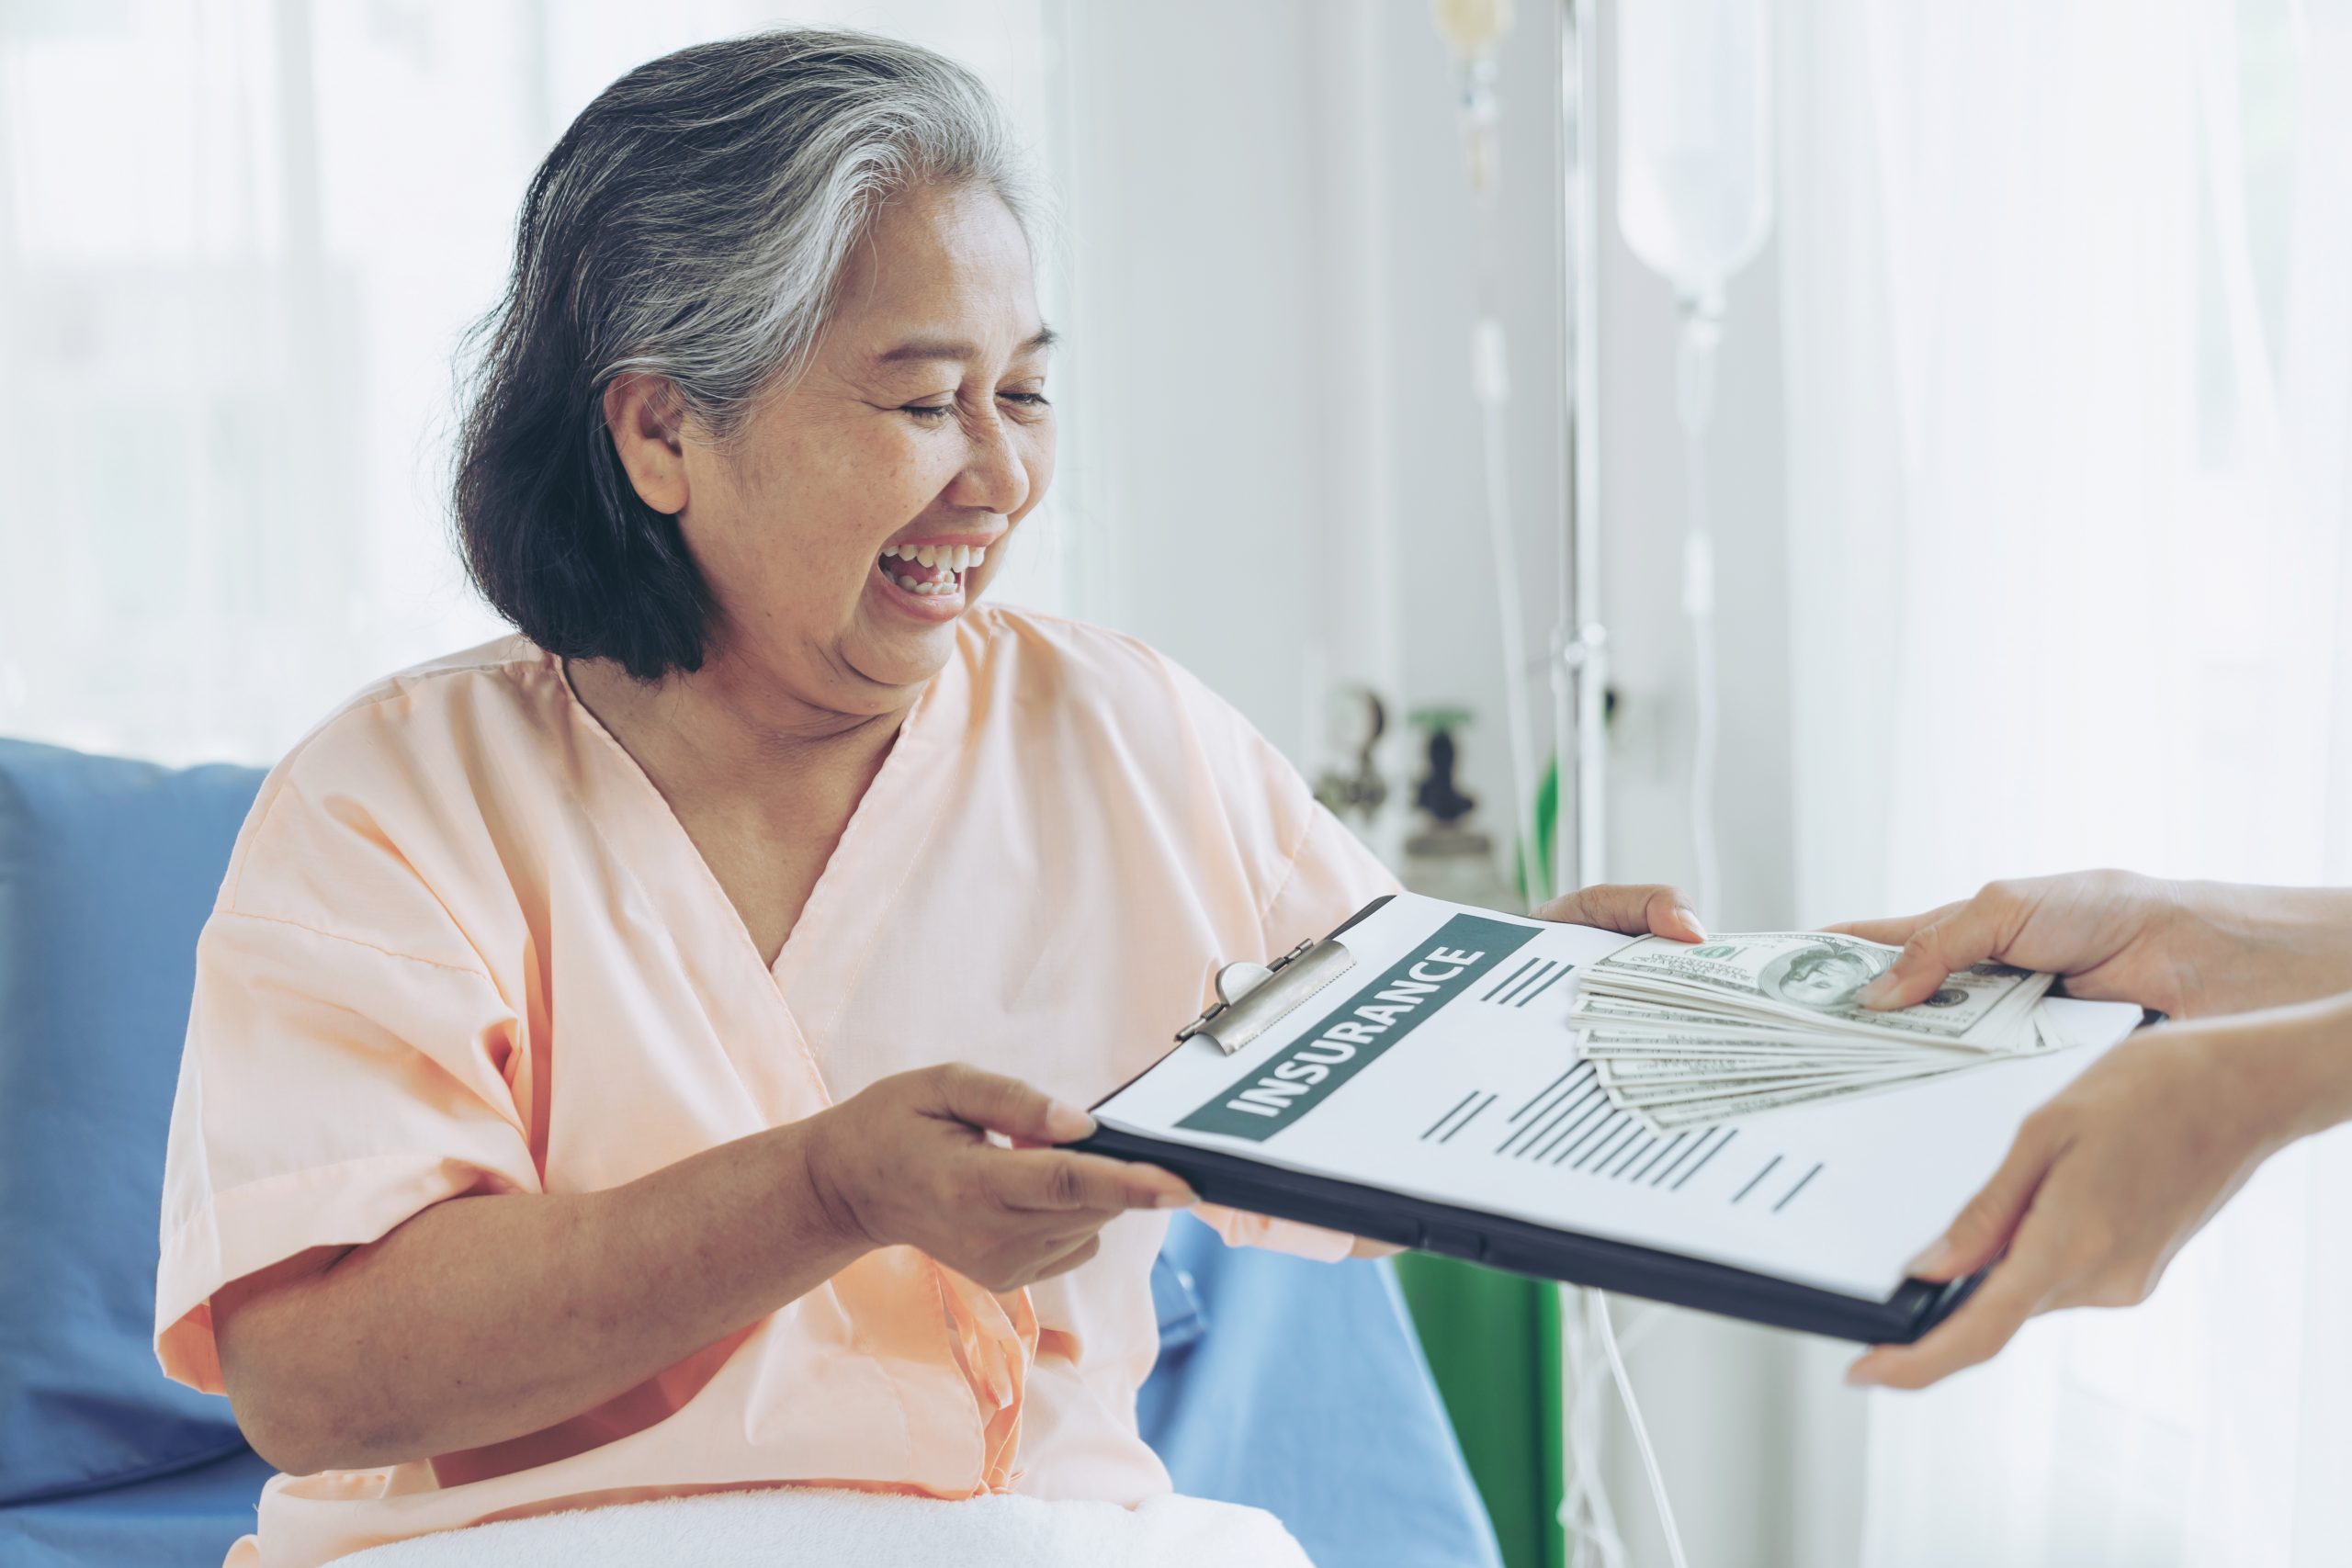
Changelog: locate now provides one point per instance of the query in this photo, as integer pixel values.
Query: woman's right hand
(2115, 935)
(907, 1162)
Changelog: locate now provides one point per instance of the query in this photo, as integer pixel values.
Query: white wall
(1272, 281)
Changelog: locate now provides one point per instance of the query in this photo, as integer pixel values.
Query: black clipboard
(1519, 1247)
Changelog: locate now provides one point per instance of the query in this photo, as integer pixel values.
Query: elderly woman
(624, 1057)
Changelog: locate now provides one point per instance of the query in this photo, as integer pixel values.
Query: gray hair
(693, 224)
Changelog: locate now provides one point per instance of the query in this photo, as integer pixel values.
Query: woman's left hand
(2107, 1181)
(1637, 910)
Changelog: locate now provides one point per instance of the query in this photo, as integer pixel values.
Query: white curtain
(239, 241)
(2068, 296)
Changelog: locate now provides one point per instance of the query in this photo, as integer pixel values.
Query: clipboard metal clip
(1252, 997)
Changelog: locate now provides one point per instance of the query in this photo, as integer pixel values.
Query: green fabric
(1493, 1341)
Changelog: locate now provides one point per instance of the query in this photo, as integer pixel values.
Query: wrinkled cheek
(1039, 464)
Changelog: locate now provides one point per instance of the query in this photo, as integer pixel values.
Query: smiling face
(920, 429)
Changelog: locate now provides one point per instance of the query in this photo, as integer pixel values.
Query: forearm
(2296, 1062)
(2244, 947)
(483, 1319)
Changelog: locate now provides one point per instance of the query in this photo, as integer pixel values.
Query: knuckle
(998, 1268)
(2117, 1291)
(2123, 1282)
(1980, 1214)
(2045, 1125)
(1064, 1185)
(1978, 1351)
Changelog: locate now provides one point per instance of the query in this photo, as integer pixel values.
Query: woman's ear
(646, 417)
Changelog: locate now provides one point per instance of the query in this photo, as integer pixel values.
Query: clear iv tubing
(1490, 383)
(1585, 1512)
(1640, 1428)
(1490, 370)
(1702, 331)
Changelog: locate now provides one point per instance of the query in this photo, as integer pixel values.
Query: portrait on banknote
(1823, 975)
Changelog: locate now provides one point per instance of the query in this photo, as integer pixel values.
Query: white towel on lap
(812, 1527)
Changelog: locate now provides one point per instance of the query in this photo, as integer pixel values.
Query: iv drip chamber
(1694, 139)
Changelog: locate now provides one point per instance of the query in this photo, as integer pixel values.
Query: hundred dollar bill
(1702, 1113)
(1647, 1090)
(1608, 1011)
(1620, 1015)
(1610, 1044)
(1626, 1038)
(1812, 978)
(1613, 1071)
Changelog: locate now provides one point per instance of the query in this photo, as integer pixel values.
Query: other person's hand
(908, 1162)
(2105, 1183)
(2115, 935)
(1635, 909)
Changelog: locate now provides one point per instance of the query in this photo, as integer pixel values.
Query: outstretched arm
(2188, 949)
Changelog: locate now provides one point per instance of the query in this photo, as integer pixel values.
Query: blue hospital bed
(1294, 1386)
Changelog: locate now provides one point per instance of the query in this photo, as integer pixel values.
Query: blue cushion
(1300, 1388)
(186, 1519)
(108, 869)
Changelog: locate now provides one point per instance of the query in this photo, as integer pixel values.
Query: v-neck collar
(831, 941)
(870, 863)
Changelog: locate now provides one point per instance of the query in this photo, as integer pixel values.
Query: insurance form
(1440, 1065)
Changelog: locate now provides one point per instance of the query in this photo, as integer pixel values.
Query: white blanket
(821, 1528)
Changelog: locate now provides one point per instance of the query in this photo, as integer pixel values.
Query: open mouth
(930, 571)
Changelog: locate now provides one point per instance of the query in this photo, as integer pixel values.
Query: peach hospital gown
(464, 946)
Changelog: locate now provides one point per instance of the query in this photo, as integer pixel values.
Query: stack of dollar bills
(1682, 1035)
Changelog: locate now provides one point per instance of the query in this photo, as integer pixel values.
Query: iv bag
(1694, 127)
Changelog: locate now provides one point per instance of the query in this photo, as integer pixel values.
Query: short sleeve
(331, 1086)
(1330, 876)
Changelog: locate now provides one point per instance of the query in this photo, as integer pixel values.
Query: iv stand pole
(1579, 641)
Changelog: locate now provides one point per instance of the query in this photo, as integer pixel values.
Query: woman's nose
(993, 479)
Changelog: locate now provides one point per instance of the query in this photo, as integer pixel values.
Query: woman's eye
(1026, 400)
(928, 411)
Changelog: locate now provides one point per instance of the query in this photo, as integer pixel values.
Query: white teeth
(954, 557)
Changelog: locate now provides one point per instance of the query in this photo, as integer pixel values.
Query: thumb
(1634, 909)
(1987, 1221)
(998, 1104)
